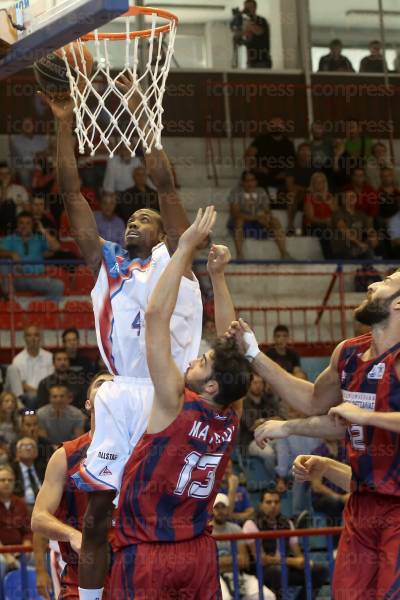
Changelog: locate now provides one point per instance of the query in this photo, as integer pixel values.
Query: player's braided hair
(231, 370)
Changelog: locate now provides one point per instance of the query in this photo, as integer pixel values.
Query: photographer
(253, 32)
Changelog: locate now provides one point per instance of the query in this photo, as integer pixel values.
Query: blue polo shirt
(31, 250)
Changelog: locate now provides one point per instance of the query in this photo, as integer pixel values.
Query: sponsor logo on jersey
(115, 268)
(360, 399)
(107, 455)
(377, 371)
(105, 471)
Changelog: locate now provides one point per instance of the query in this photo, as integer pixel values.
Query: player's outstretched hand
(130, 89)
(307, 467)
(218, 257)
(245, 338)
(199, 230)
(62, 108)
(270, 430)
(347, 414)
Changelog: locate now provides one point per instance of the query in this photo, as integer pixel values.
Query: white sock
(90, 594)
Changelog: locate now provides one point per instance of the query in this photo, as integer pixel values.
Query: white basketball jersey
(120, 297)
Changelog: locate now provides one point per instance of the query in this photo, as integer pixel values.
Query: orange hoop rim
(133, 12)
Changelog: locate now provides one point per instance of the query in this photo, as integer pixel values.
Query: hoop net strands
(103, 117)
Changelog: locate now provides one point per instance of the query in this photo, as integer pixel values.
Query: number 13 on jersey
(198, 489)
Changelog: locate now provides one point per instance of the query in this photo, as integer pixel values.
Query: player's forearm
(389, 421)
(338, 473)
(47, 525)
(39, 544)
(321, 426)
(67, 168)
(223, 305)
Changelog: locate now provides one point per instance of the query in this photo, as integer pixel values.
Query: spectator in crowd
(375, 61)
(251, 216)
(141, 195)
(41, 217)
(30, 428)
(119, 170)
(280, 353)
(322, 148)
(25, 148)
(28, 471)
(78, 362)
(29, 367)
(5, 453)
(367, 197)
(209, 335)
(14, 521)
(268, 517)
(58, 419)
(110, 226)
(350, 230)
(26, 246)
(298, 182)
(357, 146)
(271, 155)
(253, 32)
(378, 160)
(240, 508)
(319, 206)
(222, 525)
(259, 404)
(9, 421)
(335, 61)
(13, 198)
(388, 195)
(394, 234)
(65, 376)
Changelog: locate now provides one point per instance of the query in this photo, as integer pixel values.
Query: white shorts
(122, 410)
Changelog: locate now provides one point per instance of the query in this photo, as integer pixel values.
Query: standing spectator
(322, 148)
(25, 148)
(28, 471)
(78, 362)
(30, 428)
(119, 170)
(375, 163)
(248, 583)
(271, 155)
(254, 33)
(319, 206)
(287, 358)
(268, 517)
(367, 197)
(141, 195)
(240, 508)
(61, 421)
(375, 61)
(29, 367)
(298, 182)
(110, 227)
(335, 61)
(65, 376)
(14, 521)
(251, 216)
(350, 230)
(9, 421)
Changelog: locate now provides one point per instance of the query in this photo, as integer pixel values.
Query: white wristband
(90, 594)
(253, 349)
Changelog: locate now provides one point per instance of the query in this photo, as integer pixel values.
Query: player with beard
(360, 389)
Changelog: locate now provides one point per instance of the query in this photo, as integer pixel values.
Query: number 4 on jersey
(136, 323)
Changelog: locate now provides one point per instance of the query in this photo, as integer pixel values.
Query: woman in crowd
(9, 418)
(319, 206)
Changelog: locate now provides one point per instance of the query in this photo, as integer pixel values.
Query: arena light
(372, 13)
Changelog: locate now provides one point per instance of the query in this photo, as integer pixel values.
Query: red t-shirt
(322, 209)
(367, 200)
(14, 522)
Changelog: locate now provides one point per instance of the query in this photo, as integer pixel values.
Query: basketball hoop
(104, 116)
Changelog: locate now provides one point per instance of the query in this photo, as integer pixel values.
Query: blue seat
(12, 586)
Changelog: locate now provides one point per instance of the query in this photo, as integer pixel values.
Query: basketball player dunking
(161, 538)
(364, 374)
(125, 278)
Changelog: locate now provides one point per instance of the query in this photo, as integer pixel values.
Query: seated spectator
(222, 525)
(209, 335)
(110, 227)
(268, 517)
(298, 181)
(58, 419)
(240, 508)
(65, 376)
(259, 404)
(375, 163)
(136, 197)
(28, 471)
(27, 246)
(335, 61)
(30, 428)
(251, 216)
(350, 230)
(322, 148)
(375, 61)
(388, 195)
(119, 171)
(393, 227)
(287, 358)
(82, 366)
(367, 197)
(12, 193)
(271, 154)
(358, 145)
(5, 453)
(319, 206)
(25, 148)
(41, 217)
(9, 421)
(29, 367)
(14, 521)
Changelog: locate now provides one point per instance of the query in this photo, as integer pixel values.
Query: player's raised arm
(219, 256)
(167, 380)
(321, 426)
(81, 218)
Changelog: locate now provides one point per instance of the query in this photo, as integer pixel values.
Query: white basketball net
(99, 125)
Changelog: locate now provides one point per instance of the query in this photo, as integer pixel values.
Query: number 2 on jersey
(356, 433)
(196, 488)
(136, 323)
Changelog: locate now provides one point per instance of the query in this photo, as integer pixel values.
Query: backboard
(33, 28)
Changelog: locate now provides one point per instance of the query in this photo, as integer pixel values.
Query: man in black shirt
(285, 357)
(255, 35)
(335, 61)
(80, 364)
(63, 375)
(137, 197)
(375, 61)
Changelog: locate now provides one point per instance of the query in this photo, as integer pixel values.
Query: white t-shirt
(33, 369)
(24, 149)
(19, 195)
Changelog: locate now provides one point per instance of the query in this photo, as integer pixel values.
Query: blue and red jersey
(171, 479)
(73, 502)
(374, 453)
